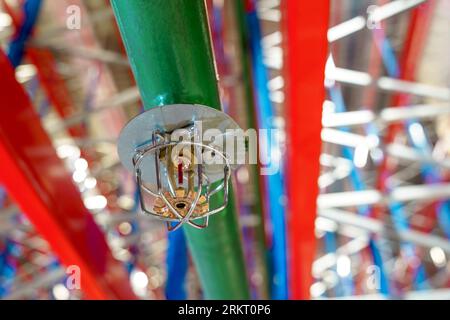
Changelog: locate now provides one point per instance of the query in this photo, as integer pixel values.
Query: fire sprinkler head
(176, 153)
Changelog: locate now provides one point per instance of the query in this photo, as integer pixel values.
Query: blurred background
(360, 209)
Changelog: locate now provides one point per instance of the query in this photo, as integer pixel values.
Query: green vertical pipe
(168, 45)
(244, 53)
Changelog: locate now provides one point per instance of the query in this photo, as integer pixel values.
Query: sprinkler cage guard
(176, 170)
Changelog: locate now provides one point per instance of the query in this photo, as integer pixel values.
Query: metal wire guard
(144, 151)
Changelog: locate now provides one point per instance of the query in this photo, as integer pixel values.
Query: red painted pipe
(39, 183)
(411, 53)
(49, 78)
(306, 26)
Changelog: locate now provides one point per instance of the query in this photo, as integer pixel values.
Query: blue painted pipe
(274, 183)
(16, 48)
